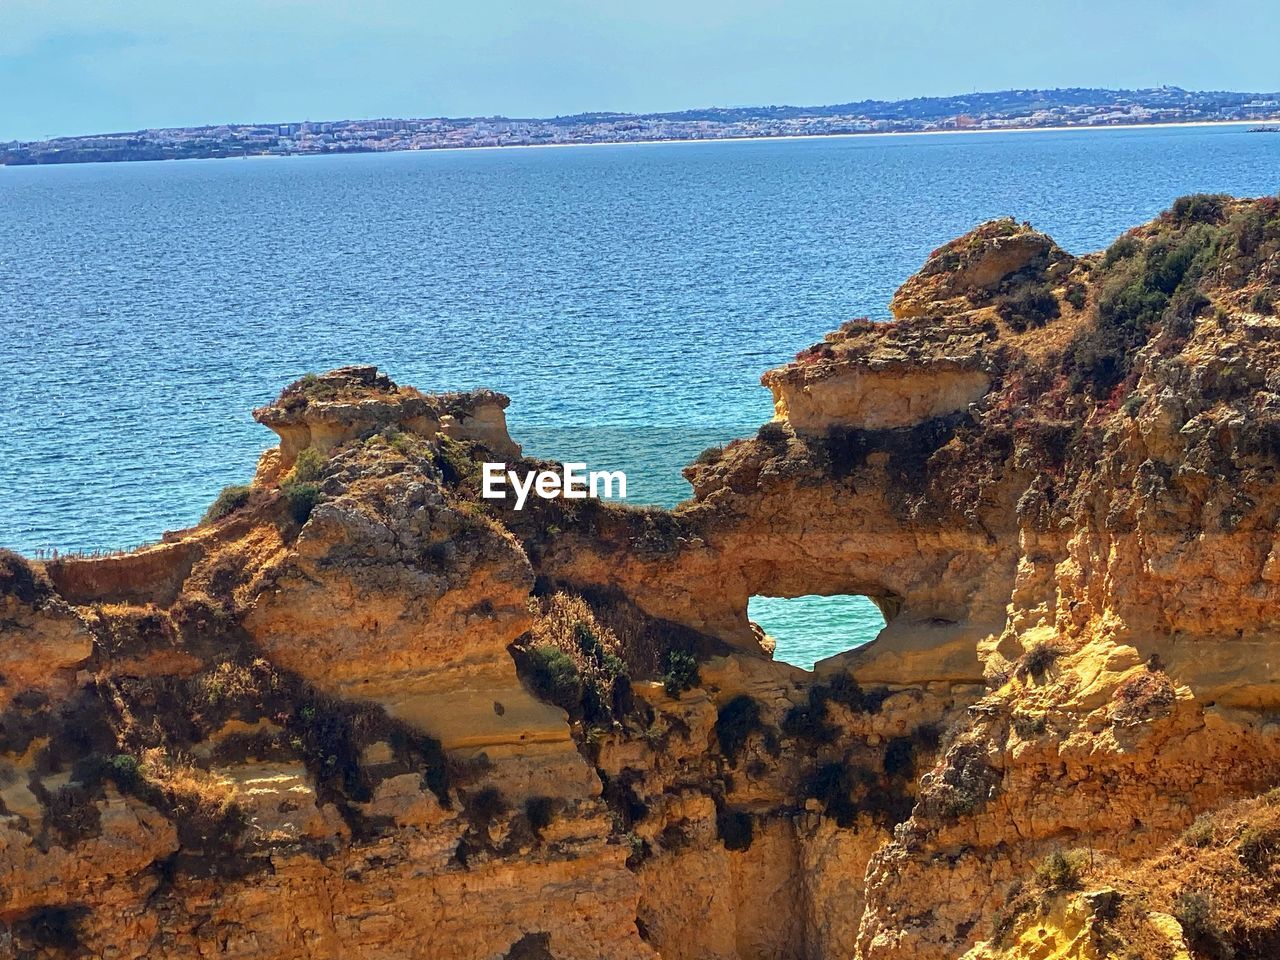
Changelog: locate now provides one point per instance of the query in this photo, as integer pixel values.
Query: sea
(627, 298)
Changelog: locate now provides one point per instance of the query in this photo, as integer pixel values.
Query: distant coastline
(848, 136)
(870, 134)
(1009, 111)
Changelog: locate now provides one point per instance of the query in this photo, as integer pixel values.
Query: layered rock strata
(358, 711)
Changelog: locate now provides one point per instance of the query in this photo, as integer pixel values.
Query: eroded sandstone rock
(361, 713)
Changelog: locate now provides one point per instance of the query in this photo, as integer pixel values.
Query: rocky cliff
(361, 712)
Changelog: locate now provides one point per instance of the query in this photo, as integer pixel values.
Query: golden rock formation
(360, 712)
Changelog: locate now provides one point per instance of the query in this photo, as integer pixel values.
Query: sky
(90, 66)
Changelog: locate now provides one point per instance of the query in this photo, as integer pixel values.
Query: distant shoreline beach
(1070, 128)
(1067, 128)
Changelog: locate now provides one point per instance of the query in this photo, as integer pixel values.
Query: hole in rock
(809, 629)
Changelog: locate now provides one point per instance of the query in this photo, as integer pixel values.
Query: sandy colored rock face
(43, 645)
(818, 399)
(365, 714)
(977, 262)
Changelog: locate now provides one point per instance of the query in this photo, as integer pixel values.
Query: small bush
(456, 463)
(814, 354)
(1076, 294)
(307, 382)
(202, 805)
(736, 721)
(773, 433)
(1124, 247)
(1263, 302)
(1257, 848)
(638, 849)
(1029, 307)
(125, 770)
(681, 675)
(966, 782)
(407, 444)
(1060, 872)
(301, 499)
(597, 653)
(231, 499)
(555, 677)
(1184, 306)
(1050, 442)
(1255, 230)
(1029, 726)
(307, 467)
(1145, 288)
(1036, 662)
(582, 642)
(1199, 208)
(711, 455)
(325, 733)
(1096, 358)
(1194, 910)
(1201, 833)
(230, 682)
(208, 822)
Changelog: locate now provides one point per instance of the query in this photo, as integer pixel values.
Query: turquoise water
(810, 628)
(627, 298)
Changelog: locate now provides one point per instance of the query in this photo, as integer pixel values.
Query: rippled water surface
(627, 298)
(808, 629)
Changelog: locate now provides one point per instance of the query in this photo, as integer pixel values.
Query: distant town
(1004, 110)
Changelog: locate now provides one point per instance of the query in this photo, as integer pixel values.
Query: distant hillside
(1004, 109)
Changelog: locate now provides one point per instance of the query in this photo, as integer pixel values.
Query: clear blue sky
(83, 66)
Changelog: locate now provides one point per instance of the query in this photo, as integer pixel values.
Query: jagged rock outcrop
(44, 640)
(996, 257)
(360, 711)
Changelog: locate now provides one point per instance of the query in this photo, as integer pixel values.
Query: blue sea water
(627, 298)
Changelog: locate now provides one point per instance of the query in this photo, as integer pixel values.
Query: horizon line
(654, 114)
